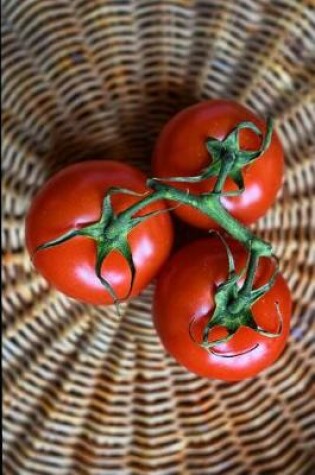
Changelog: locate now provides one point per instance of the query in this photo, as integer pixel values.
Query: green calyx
(233, 303)
(110, 234)
(228, 159)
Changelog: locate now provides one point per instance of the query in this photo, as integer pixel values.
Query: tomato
(184, 301)
(180, 151)
(73, 198)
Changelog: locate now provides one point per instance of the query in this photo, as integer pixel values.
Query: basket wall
(85, 392)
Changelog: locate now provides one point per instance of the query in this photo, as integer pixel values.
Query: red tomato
(181, 151)
(184, 301)
(73, 198)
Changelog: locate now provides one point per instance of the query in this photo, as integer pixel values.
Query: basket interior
(84, 391)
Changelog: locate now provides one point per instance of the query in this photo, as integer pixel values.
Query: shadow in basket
(128, 134)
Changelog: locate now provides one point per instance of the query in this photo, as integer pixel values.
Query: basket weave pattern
(84, 391)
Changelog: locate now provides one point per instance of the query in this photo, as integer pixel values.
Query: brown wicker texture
(84, 391)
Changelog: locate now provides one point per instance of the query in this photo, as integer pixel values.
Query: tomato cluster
(81, 227)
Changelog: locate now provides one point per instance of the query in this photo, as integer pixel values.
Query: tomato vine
(232, 302)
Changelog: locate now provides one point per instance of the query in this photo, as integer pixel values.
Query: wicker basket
(85, 392)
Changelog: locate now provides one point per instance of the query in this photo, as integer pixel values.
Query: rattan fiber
(85, 392)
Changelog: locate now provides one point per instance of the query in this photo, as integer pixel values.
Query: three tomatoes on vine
(185, 289)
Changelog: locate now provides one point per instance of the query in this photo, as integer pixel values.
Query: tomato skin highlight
(184, 293)
(73, 198)
(180, 151)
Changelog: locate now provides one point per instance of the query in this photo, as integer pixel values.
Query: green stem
(135, 208)
(224, 171)
(212, 206)
(251, 269)
(209, 205)
(245, 291)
